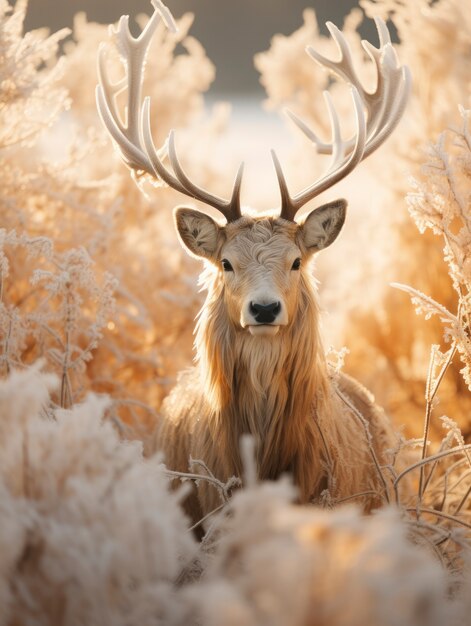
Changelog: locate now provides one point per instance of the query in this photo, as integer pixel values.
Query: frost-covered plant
(89, 532)
(441, 202)
(59, 187)
(393, 336)
(61, 317)
(275, 563)
(29, 94)
(377, 325)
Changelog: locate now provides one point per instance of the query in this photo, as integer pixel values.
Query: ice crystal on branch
(441, 202)
(30, 98)
(64, 188)
(61, 314)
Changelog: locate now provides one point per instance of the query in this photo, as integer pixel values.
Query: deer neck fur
(270, 387)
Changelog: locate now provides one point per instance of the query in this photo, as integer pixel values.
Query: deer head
(258, 261)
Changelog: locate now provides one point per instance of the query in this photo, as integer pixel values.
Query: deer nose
(265, 313)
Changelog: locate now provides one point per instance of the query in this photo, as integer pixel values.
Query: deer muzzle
(264, 316)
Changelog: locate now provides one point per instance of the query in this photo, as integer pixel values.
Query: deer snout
(265, 313)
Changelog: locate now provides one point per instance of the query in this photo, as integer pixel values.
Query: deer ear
(323, 224)
(198, 233)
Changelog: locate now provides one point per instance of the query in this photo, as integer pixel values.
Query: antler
(384, 108)
(134, 136)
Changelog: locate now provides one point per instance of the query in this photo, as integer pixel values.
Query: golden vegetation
(94, 287)
(386, 331)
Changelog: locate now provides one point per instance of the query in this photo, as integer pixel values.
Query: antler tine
(385, 105)
(384, 108)
(344, 66)
(321, 146)
(133, 51)
(134, 136)
(230, 209)
(340, 166)
(158, 169)
(234, 208)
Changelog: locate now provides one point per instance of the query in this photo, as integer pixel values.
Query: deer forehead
(265, 241)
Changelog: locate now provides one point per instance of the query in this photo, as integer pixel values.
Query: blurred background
(231, 32)
(389, 345)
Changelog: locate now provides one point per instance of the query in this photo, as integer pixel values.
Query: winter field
(97, 308)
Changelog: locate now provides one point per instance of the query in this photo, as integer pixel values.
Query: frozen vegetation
(97, 303)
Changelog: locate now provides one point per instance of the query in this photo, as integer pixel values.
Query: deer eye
(227, 267)
(296, 264)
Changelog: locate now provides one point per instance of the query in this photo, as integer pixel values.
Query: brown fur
(276, 388)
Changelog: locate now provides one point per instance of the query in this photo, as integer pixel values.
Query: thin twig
(446, 441)
(223, 488)
(363, 421)
(431, 459)
(357, 495)
(203, 519)
(463, 500)
(451, 518)
(428, 413)
(429, 397)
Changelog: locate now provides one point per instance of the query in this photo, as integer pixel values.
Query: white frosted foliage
(90, 530)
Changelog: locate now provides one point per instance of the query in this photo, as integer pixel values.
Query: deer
(260, 366)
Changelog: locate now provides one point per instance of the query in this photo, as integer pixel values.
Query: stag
(260, 365)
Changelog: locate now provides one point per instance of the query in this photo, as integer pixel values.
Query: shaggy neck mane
(270, 387)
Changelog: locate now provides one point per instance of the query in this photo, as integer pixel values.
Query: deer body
(276, 388)
(261, 368)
